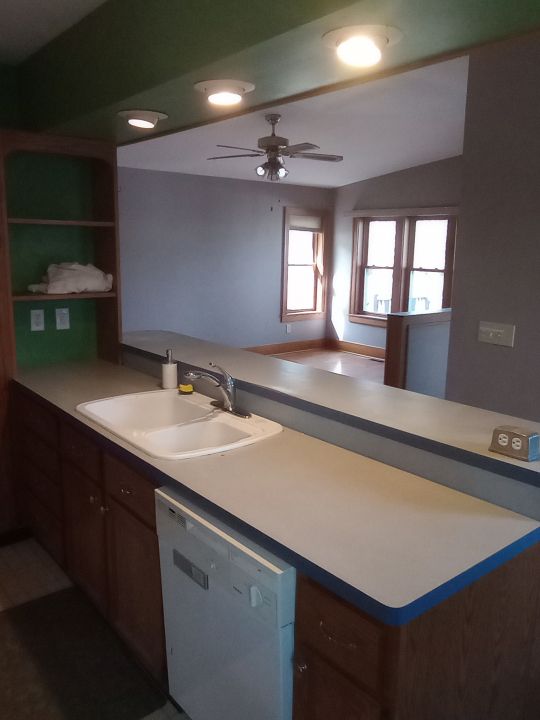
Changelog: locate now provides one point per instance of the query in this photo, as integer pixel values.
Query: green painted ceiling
(148, 53)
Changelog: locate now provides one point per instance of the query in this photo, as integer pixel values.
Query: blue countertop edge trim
(393, 616)
(483, 462)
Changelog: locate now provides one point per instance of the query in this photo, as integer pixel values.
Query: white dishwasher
(229, 618)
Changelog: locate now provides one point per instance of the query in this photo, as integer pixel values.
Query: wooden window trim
(320, 253)
(403, 263)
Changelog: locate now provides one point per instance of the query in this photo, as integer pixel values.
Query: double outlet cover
(37, 319)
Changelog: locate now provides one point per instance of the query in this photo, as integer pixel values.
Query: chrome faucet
(227, 386)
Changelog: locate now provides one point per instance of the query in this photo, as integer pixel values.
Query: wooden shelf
(65, 223)
(36, 297)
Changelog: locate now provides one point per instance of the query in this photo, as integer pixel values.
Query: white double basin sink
(168, 425)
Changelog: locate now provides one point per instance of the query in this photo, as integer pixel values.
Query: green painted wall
(50, 187)
(9, 97)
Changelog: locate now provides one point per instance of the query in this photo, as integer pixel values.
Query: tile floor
(27, 572)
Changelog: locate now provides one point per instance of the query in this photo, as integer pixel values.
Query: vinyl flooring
(343, 363)
(59, 659)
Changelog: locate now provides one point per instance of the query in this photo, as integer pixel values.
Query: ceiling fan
(276, 148)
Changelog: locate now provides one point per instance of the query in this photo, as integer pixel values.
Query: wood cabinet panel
(85, 533)
(339, 632)
(41, 486)
(42, 455)
(45, 526)
(130, 489)
(43, 422)
(81, 451)
(135, 586)
(322, 692)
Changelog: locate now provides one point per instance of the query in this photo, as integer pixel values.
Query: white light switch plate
(496, 333)
(62, 318)
(37, 320)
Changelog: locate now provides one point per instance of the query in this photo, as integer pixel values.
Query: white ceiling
(379, 127)
(28, 25)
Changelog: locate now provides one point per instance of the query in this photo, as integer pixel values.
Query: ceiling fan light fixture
(362, 45)
(273, 169)
(224, 93)
(261, 170)
(143, 119)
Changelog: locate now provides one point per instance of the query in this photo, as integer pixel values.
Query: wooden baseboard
(369, 350)
(294, 346)
(319, 344)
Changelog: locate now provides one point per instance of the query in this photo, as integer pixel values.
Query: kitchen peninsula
(415, 580)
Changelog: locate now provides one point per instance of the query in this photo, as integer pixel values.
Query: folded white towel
(64, 278)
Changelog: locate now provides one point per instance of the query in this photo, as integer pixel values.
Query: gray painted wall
(434, 184)
(203, 256)
(497, 274)
(427, 358)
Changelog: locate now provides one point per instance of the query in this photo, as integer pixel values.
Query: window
(401, 264)
(304, 282)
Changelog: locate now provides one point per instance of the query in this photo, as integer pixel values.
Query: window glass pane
(300, 288)
(378, 291)
(426, 291)
(430, 244)
(382, 241)
(300, 247)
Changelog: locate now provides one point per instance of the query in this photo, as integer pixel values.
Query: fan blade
(318, 156)
(234, 147)
(224, 157)
(300, 147)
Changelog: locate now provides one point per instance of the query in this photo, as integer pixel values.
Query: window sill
(374, 320)
(307, 315)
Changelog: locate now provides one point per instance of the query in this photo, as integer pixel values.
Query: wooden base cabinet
(135, 586)
(93, 510)
(475, 656)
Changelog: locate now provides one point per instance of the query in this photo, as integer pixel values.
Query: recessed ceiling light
(145, 119)
(224, 92)
(362, 45)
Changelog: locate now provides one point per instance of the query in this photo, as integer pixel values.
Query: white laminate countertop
(394, 543)
(463, 427)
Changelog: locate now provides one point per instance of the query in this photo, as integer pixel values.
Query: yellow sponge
(185, 389)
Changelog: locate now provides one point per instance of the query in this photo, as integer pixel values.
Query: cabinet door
(135, 586)
(85, 533)
(322, 692)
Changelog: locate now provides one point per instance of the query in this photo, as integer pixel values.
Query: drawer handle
(334, 639)
(301, 667)
(92, 499)
(103, 509)
(126, 491)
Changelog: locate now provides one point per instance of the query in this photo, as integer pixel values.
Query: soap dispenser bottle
(169, 372)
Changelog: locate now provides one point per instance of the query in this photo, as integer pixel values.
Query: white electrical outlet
(37, 320)
(62, 318)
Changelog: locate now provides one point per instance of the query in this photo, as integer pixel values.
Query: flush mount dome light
(145, 119)
(362, 45)
(224, 92)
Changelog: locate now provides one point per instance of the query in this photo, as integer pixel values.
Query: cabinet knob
(103, 509)
(92, 499)
(301, 667)
(126, 491)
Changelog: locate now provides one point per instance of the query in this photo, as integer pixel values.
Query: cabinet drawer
(42, 455)
(41, 421)
(41, 486)
(339, 633)
(130, 489)
(81, 451)
(45, 527)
